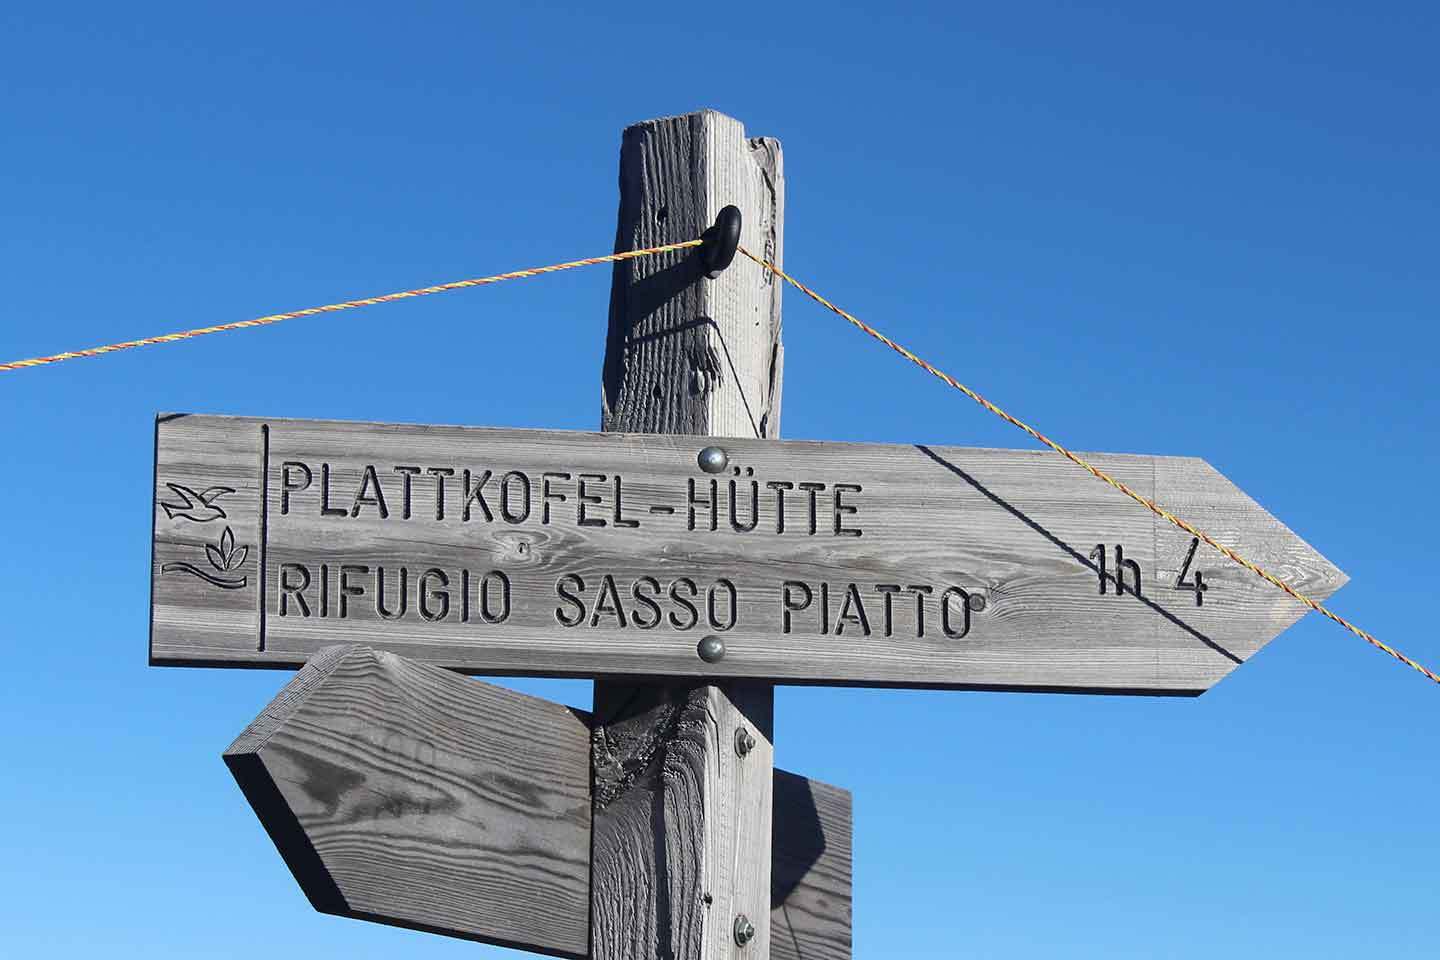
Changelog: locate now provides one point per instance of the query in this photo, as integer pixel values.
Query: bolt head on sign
(579, 554)
(711, 649)
(713, 459)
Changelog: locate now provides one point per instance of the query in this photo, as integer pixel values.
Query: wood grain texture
(401, 793)
(810, 870)
(682, 824)
(1016, 528)
(685, 355)
(405, 794)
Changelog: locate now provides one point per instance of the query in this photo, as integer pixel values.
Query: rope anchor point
(719, 243)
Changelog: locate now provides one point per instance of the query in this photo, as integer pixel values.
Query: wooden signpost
(687, 560)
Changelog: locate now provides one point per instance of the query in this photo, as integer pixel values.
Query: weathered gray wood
(810, 870)
(682, 823)
(686, 355)
(1016, 528)
(403, 793)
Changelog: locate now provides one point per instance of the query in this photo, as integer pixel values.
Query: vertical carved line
(264, 524)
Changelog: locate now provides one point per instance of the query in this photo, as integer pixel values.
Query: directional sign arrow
(402, 793)
(555, 553)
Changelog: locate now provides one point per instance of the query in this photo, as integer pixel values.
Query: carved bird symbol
(199, 507)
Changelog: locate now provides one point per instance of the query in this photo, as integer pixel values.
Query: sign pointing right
(549, 552)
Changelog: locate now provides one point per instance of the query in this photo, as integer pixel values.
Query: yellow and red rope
(1093, 470)
(929, 368)
(344, 305)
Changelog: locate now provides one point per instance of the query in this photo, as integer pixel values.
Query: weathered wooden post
(683, 772)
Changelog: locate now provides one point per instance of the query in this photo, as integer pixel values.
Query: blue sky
(1202, 229)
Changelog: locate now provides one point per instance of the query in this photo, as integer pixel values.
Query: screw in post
(744, 930)
(713, 459)
(744, 742)
(711, 649)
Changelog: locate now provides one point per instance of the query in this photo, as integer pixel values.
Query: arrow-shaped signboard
(558, 553)
(402, 793)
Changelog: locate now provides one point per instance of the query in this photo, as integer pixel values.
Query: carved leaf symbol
(225, 556)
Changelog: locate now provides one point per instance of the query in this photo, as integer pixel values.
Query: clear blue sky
(1183, 229)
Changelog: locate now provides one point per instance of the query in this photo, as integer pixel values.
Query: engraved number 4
(1198, 584)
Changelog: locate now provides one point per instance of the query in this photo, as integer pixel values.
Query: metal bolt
(744, 743)
(744, 930)
(977, 602)
(713, 459)
(711, 649)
